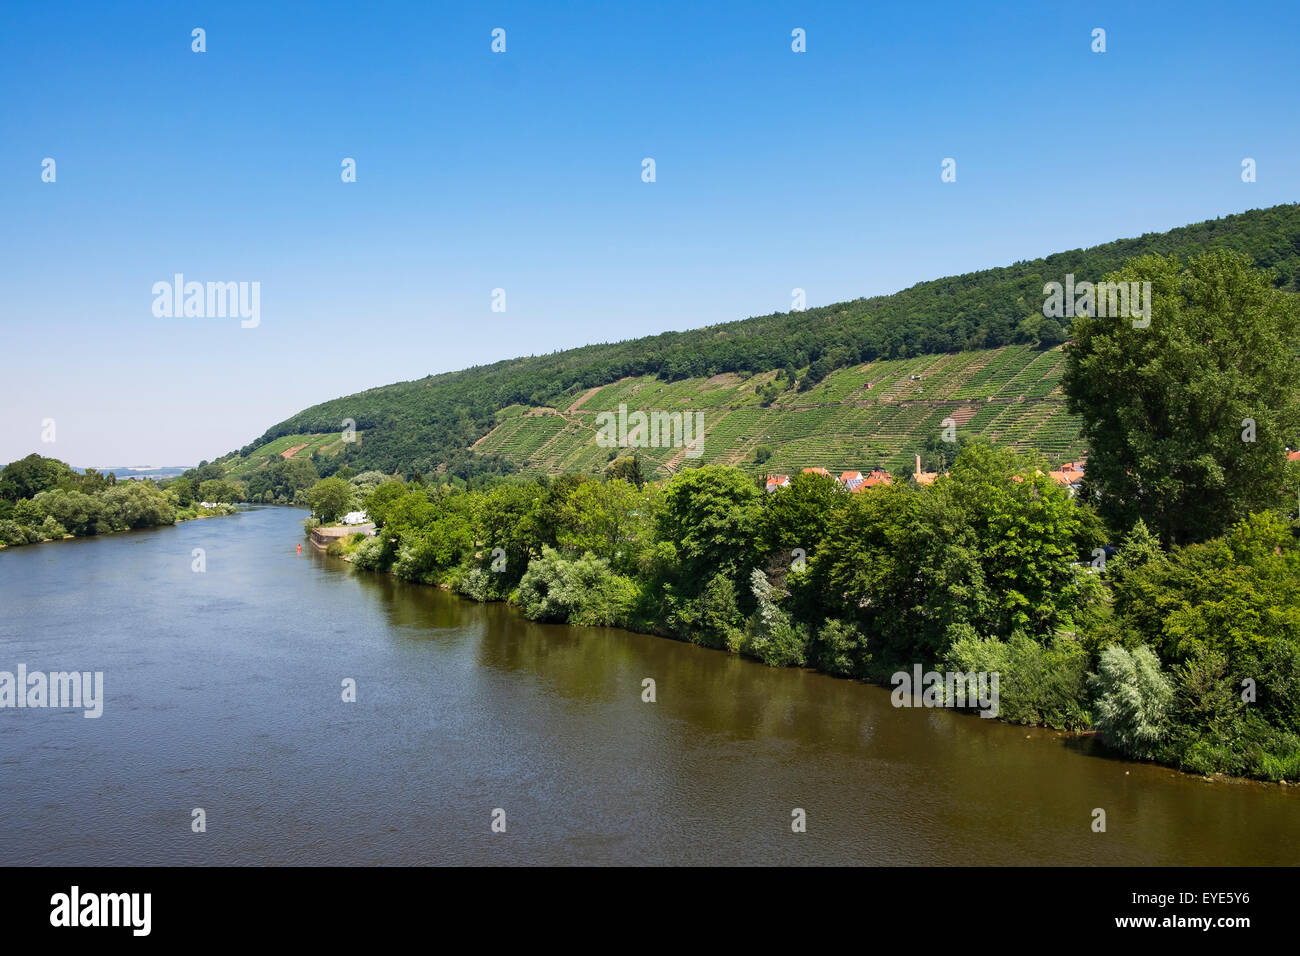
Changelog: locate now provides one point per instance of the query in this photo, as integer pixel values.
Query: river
(223, 691)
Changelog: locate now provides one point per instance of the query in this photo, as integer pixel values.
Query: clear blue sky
(522, 171)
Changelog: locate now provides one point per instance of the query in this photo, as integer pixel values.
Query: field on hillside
(289, 446)
(874, 415)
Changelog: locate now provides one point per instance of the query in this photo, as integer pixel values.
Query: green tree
(330, 499)
(629, 469)
(31, 475)
(903, 570)
(1235, 595)
(610, 519)
(798, 515)
(710, 515)
(509, 517)
(135, 504)
(1051, 333)
(1029, 536)
(80, 513)
(1188, 418)
(1133, 699)
(220, 490)
(580, 591)
(378, 502)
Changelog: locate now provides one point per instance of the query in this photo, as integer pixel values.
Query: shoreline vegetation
(1157, 602)
(1158, 605)
(977, 572)
(44, 499)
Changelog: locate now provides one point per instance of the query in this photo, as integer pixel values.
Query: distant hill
(139, 471)
(966, 336)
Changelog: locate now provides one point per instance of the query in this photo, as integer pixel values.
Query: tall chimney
(918, 466)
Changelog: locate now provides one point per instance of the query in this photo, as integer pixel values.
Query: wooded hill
(828, 386)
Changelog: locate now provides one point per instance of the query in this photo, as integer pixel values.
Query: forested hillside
(418, 426)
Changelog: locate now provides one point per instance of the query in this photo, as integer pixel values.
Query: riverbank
(227, 694)
(347, 546)
(36, 536)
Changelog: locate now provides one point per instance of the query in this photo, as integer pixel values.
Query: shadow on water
(223, 691)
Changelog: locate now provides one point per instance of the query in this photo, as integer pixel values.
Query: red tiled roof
(877, 477)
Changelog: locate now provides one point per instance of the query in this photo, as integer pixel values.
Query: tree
(628, 468)
(135, 504)
(1050, 333)
(509, 517)
(219, 489)
(1188, 418)
(330, 499)
(710, 515)
(609, 519)
(80, 513)
(30, 476)
(902, 569)
(770, 636)
(1234, 595)
(1133, 700)
(581, 591)
(378, 502)
(798, 515)
(1029, 536)
(184, 489)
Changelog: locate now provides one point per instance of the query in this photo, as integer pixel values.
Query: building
(1071, 475)
(923, 477)
(777, 481)
(852, 480)
(878, 476)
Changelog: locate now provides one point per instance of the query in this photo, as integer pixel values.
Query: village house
(1071, 475)
(777, 481)
(849, 480)
(878, 476)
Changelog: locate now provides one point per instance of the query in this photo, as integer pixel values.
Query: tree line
(44, 499)
(1160, 606)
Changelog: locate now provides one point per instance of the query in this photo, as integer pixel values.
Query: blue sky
(522, 171)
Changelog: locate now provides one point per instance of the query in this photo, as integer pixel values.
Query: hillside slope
(874, 415)
(963, 321)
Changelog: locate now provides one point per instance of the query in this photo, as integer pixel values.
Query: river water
(223, 691)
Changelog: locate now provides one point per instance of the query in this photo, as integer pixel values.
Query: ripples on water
(223, 691)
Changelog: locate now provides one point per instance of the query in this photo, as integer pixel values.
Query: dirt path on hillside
(577, 403)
